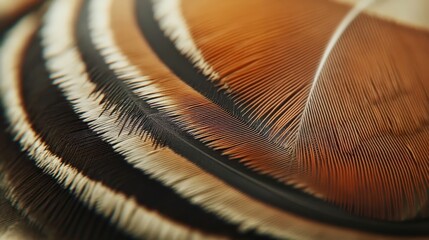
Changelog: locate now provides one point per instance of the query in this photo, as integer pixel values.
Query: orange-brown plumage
(368, 115)
(361, 142)
(190, 110)
(265, 53)
(201, 119)
(11, 10)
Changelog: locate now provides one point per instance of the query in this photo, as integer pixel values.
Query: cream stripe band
(134, 219)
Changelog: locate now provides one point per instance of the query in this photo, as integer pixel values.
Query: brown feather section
(10, 10)
(364, 135)
(362, 142)
(266, 53)
(192, 112)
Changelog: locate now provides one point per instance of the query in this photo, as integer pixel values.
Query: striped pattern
(179, 119)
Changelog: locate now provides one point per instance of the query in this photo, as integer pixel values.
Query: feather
(282, 107)
(268, 81)
(384, 87)
(155, 119)
(11, 11)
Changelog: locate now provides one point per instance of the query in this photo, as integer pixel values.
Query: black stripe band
(67, 136)
(56, 210)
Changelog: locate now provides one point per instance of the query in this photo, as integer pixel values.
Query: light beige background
(409, 12)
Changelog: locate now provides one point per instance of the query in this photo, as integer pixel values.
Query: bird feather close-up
(214, 119)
